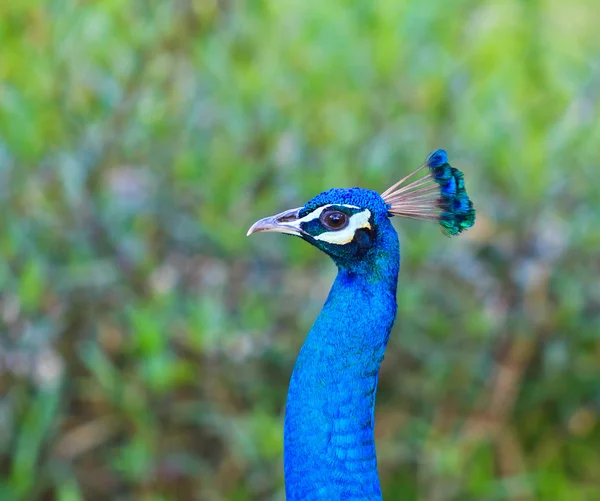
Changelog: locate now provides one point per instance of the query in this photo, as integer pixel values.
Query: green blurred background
(146, 343)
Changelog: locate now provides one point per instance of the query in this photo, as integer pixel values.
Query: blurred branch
(83, 438)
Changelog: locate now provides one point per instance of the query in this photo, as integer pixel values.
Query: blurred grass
(146, 344)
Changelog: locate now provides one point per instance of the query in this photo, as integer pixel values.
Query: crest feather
(439, 196)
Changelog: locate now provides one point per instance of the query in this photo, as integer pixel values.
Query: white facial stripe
(357, 221)
(317, 213)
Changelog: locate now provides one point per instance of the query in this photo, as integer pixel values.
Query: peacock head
(348, 223)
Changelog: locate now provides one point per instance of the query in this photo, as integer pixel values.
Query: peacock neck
(329, 425)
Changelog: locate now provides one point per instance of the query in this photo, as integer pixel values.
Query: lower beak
(285, 222)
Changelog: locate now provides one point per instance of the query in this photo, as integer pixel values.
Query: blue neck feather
(329, 423)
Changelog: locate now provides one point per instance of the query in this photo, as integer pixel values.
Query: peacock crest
(440, 196)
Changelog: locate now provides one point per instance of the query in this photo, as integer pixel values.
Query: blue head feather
(352, 256)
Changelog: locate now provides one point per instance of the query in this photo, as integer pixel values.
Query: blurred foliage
(146, 344)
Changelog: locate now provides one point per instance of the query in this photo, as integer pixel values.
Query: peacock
(329, 446)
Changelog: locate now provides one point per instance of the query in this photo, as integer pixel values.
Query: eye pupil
(335, 220)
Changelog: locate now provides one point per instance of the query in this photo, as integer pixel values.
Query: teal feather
(440, 195)
(458, 213)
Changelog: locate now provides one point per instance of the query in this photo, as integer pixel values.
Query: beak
(285, 222)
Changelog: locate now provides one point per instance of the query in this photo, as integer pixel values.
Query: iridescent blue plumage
(329, 445)
(329, 423)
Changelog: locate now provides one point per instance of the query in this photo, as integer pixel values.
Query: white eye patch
(340, 237)
(316, 214)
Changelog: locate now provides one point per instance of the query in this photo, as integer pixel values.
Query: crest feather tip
(437, 158)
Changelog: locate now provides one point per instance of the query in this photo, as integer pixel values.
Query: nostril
(287, 218)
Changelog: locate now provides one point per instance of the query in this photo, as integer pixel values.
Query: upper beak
(284, 222)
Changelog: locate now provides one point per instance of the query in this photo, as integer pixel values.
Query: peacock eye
(334, 220)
